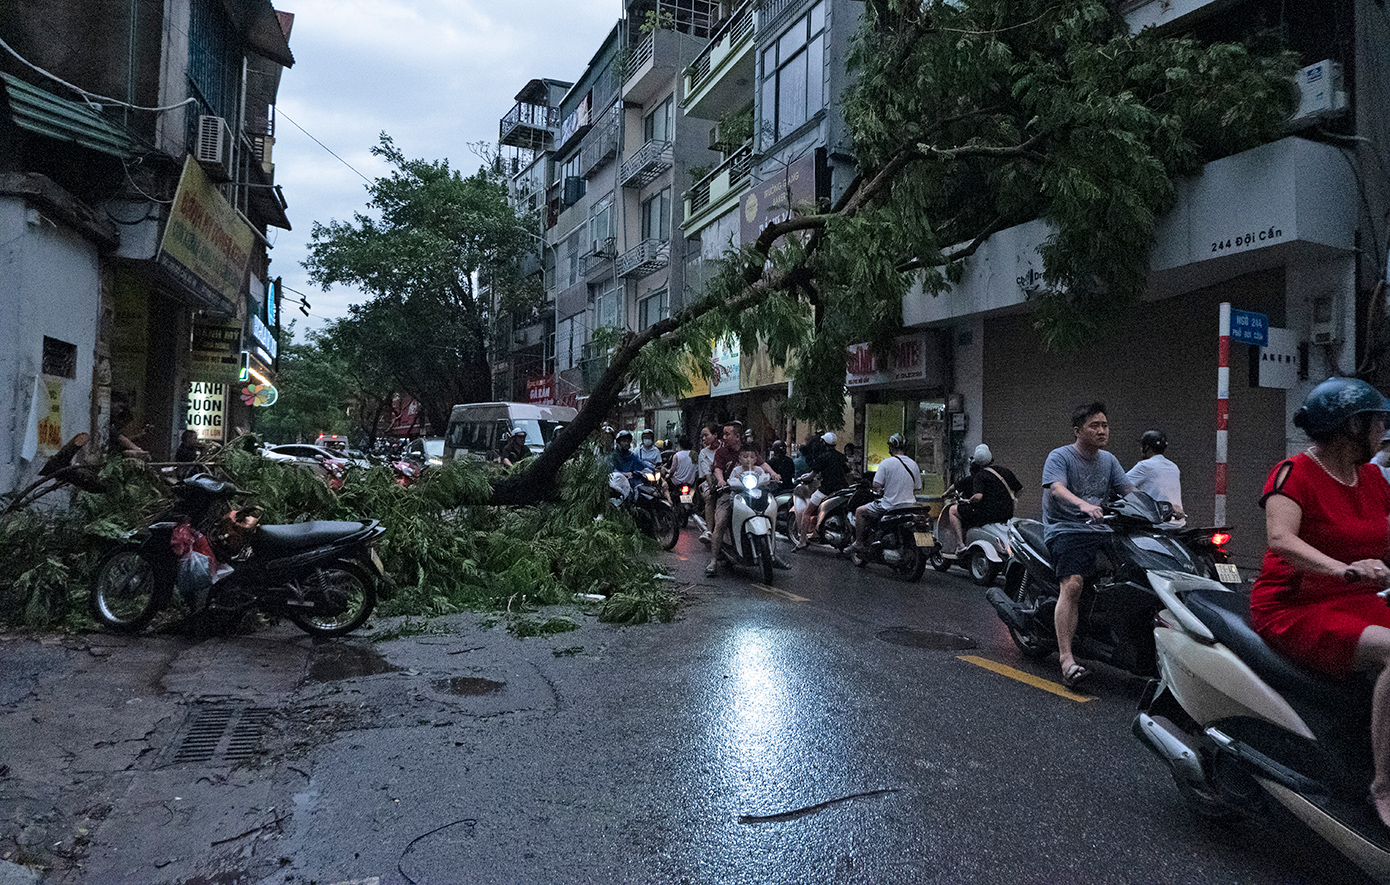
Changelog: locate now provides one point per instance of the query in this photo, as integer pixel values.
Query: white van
(479, 430)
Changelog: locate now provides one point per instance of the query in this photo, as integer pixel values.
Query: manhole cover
(222, 733)
(937, 640)
(469, 685)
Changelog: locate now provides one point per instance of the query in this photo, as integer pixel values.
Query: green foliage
(316, 386)
(657, 20)
(736, 127)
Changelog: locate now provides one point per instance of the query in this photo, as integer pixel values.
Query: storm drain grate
(222, 733)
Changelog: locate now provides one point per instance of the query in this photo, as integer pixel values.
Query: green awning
(44, 113)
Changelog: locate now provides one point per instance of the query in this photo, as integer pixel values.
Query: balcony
(721, 78)
(600, 143)
(1165, 14)
(649, 256)
(714, 194)
(651, 66)
(529, 126)
(646, 164)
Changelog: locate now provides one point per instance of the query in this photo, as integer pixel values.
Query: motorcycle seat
(1227, 616)
(304, 535)
(207, 485)
(1032, 532)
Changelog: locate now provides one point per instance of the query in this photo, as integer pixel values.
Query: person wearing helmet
(781, 463)
(725, 460)
(1077, 479)
(648, 451)
(830, 464)
(516, 448)
(989, 494)
(1157, 477)
(1327, 522)
(625, 460)
(898, 478)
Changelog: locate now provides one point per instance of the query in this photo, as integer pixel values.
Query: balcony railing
(646, 257)
(736, 167)
(528, 125)
(601, 142)
(641, 54)
(646, 163)
(731, 33)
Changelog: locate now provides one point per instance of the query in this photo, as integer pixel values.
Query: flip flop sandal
(1075, 675)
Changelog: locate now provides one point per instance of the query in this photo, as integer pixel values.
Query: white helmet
(828, 437)
(982, 457)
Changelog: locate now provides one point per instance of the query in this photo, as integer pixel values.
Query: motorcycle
(1239, 725)
(900, 539)
(750, 541)
(1117, 607)
(322, 575)
(648, 506)
(835, 519)
(985, 549)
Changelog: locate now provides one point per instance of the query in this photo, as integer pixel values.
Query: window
(601, 219)
(659, 125)
(653, 307)
(606, 306)
(59, 358)
(569, 267)
(569, 342)
(656, 216)
(793, 71)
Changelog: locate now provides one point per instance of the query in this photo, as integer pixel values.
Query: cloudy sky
(434, 74)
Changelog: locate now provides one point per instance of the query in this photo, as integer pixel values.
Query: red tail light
(685, 489)
(1220, 539)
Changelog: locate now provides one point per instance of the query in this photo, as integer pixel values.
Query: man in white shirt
(1158, 477)
(898, 477)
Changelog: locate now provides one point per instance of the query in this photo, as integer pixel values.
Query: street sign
(1248, 327)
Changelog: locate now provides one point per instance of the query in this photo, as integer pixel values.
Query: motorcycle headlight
(750, 481)
(650, 476)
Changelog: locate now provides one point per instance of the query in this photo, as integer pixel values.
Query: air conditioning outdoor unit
(213, 150)
(602, 247)
(1321, 94)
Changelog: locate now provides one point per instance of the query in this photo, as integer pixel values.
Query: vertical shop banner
(206, 244)
(51, 421)
(207, 408)
(726, 368)
(216, 353)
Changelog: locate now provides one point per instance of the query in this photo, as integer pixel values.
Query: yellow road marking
(1026, 678)
(783, 593)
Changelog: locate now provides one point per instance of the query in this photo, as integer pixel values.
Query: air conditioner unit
(213, 150)
(602, 248)
(1321, 94)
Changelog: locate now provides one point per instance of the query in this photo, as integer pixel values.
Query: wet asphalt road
(767, 735)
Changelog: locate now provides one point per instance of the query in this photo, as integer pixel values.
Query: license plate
(923, 539)
(687, 497)
(1228, 573)
(376, 561)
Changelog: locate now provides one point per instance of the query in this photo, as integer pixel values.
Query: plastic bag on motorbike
(197, 565)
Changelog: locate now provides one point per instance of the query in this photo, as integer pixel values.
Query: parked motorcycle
(649, 508)
(1239, 725)
(1117, 608)
(322, 575)
(984, 551)
(751, 541)
(900, 539)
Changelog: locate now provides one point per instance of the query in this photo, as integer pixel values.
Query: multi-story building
(136, 188)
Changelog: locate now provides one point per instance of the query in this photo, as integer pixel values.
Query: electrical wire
(280, 112)
(91, 97)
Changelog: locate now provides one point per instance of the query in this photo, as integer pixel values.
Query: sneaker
(704, 537)
(711, 569)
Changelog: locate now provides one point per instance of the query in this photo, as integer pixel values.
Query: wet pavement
(843, 725)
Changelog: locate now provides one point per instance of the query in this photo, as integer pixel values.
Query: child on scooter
(747, 463)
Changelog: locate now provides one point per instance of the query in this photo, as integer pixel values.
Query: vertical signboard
(207, 406)
(216, 351)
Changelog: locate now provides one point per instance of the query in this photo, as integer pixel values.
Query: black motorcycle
(900, 539)
(322, 575)
(1117, 608)
(650, 507)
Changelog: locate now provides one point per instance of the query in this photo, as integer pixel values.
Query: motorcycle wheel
(128, 591)
(1031, 645)
(914, 560)
(836, 532)
(343, 594)
(939, 562)
(665, 527)
(763, 550)
(982, 571)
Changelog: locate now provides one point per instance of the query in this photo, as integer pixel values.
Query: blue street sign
(1248, 327)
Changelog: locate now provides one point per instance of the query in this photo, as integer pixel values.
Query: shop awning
(44, 113)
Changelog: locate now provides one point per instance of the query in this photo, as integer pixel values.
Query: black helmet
(778, 446)
(897, 441)
(1155, 441)
(1332, 402)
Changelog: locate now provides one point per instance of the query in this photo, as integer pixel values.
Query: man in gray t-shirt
(1077, 479)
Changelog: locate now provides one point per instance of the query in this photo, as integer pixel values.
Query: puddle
(935, 640)
(469, 685)
(333, 662)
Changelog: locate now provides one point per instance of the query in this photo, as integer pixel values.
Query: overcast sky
(434, 74)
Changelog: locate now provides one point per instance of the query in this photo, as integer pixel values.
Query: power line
(281, 113)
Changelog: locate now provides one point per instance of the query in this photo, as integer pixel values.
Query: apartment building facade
(135, 280)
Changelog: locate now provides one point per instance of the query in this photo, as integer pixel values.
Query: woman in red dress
(1327, 518)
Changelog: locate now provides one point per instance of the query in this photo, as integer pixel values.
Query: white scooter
(751, 541)
(1239, 725)
(984, 552)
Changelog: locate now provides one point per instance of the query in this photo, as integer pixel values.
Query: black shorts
(1077, 553)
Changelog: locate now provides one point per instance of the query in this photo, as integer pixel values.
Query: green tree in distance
(967, 117)
(313, 398)
(441, 247)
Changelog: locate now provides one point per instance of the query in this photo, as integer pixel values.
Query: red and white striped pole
(1223, 411)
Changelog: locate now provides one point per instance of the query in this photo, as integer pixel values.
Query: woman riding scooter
(988, 497)
(1327, 516)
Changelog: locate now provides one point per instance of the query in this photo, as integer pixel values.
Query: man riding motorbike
(898, 477)
(830, 463)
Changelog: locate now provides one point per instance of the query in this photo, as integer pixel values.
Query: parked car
(478, 430)
(427, 450)
(325, 464)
